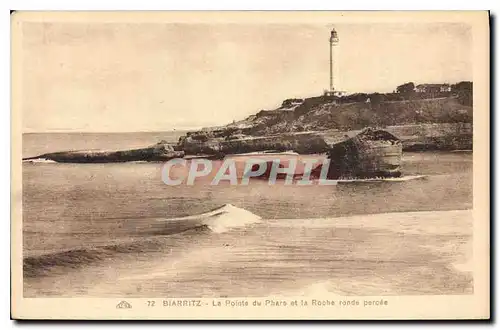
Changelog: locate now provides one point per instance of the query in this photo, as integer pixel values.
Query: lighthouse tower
(334, 42)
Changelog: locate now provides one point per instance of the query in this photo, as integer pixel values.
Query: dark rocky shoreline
(162, 151)
(217, 144)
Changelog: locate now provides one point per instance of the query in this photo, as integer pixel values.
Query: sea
(117, 230)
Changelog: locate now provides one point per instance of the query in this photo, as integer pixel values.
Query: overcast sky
(156, 77)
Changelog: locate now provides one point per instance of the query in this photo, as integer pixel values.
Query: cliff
(421, 124)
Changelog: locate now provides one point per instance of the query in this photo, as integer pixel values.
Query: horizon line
(118, 132)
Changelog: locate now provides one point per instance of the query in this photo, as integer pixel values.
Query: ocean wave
(325, 289)
(381, 179)
(177, 231)
(39, 160)
(46, 264)
(224, 218)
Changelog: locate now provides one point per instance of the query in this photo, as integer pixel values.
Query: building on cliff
(433, 88)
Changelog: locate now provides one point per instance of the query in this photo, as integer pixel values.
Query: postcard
(273, 165)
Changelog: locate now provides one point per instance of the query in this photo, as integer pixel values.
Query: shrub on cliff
(406, 88)
(313, 102)
(464, 91)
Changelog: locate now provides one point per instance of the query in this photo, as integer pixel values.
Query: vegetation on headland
(361, 110)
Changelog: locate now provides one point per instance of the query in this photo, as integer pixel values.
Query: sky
(112, 77)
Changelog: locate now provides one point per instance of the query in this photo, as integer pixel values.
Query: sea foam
(230, 216)
(223, 218)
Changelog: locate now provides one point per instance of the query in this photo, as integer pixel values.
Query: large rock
(352, 154)
(303, 143)
(368, 154)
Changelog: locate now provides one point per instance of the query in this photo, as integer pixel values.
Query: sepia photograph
(279, 164)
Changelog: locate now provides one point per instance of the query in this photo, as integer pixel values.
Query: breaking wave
(224, 218)
(38, 160)
(177, 232)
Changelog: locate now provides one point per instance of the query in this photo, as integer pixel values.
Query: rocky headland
(312, 125)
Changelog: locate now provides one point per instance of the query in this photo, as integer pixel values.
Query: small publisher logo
(123, 305)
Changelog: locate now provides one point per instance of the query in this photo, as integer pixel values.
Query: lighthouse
(334, 42)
